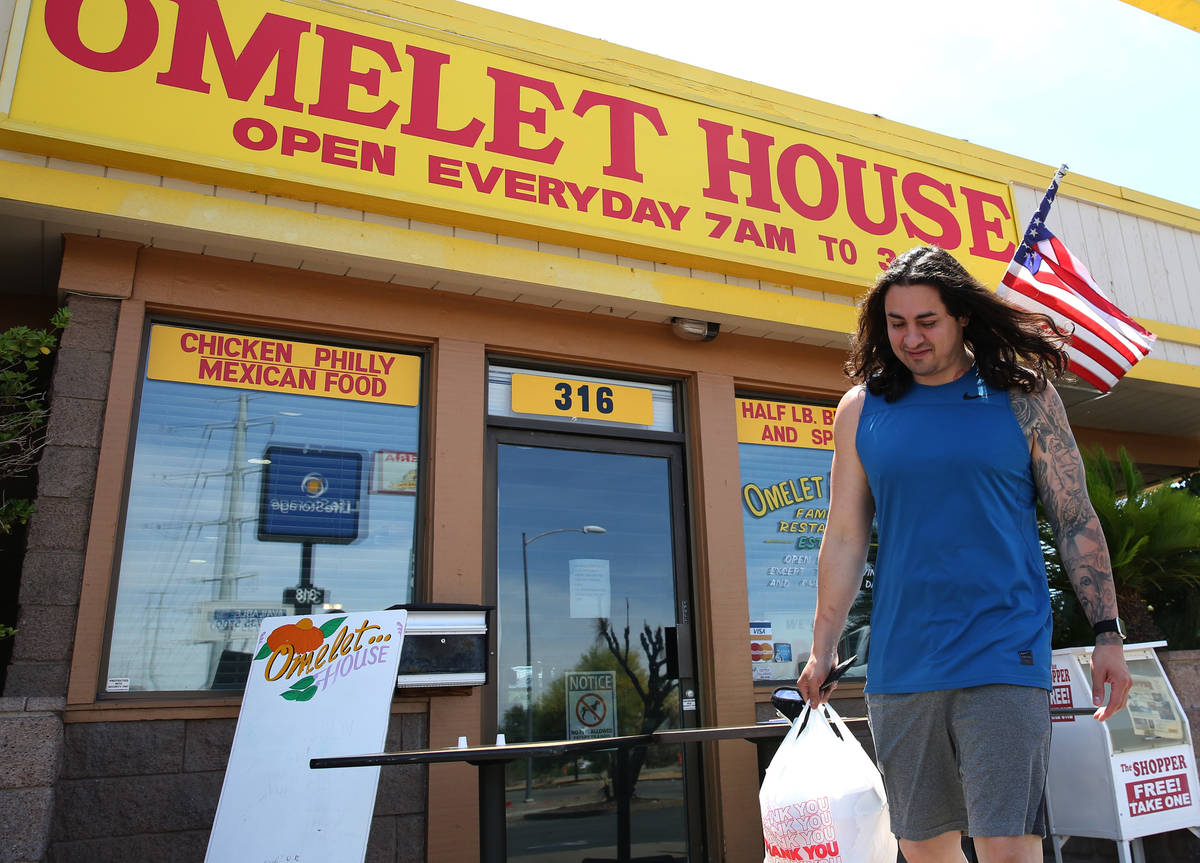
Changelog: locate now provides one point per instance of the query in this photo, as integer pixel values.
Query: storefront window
(785, 450)
(269, 477)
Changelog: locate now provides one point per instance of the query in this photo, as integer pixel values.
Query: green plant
(22, 415)
(1153, 538)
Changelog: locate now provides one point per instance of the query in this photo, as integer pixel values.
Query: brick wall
(1183, 670)
(53, 569)
(31, 733)
(131, 792)
(31, 729)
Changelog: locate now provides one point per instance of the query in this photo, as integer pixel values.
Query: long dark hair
(1012, 347)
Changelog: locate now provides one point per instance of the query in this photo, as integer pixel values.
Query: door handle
(679, 652)
(672, 650)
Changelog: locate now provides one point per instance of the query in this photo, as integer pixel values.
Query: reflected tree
(550, 712)
(549, 709)
(655, 691)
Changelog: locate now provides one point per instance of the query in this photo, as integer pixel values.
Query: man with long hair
(951, 436)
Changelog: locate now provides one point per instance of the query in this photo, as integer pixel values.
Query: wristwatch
(1113, 624)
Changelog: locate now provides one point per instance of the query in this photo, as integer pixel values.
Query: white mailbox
(1129, 777)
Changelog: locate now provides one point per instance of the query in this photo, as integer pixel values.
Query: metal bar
(624, 793)
(730, 732)
(491, 761)
(306, 567)
(493, 827)
(481, 754)
(528, 662)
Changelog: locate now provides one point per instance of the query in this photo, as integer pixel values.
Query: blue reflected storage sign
(310, 495)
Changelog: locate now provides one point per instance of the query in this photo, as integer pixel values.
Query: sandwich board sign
(319, 685)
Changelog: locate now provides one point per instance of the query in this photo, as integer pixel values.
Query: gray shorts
(971, 760)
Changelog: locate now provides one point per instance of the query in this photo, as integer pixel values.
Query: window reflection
(195, 580)
(585, 589)
(601, 612)
(785, 451)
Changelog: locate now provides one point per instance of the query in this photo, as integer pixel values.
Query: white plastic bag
(823, 798)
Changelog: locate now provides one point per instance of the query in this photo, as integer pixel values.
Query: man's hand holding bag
(823, 798)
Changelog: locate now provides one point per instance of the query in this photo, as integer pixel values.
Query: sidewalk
(590, 793)
(1178, 846)
(569, 798)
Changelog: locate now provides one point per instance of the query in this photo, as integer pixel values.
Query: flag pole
(1039, 218)
(1043, 210)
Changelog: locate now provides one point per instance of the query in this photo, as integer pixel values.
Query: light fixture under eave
(692, 330)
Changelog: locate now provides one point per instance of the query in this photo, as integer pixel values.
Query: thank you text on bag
(804, 829)
(823, 798)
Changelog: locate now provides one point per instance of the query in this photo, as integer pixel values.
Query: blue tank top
(960, 593)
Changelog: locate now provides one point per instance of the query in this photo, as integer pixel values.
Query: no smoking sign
(591, 705)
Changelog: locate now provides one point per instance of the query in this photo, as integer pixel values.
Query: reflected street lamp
(587, 528)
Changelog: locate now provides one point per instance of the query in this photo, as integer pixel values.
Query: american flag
(1045, 277)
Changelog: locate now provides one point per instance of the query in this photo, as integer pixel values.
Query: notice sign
(591, 705)
(273, 365)
(591, 587)
(310, 495)
(319, 686)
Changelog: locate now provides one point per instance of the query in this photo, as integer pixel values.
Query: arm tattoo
(1061, 486)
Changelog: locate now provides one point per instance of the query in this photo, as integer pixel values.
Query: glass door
(592, 610)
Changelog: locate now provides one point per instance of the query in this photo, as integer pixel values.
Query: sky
(1105, 87)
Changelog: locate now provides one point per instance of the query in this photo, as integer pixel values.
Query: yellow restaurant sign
(778, 423)
(273, 365)
(295, 96)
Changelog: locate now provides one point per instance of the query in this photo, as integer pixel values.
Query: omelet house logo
(311, 658)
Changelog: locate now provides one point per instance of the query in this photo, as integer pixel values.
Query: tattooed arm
(1059, 477)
